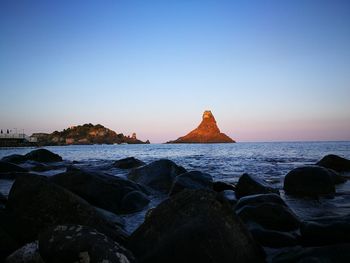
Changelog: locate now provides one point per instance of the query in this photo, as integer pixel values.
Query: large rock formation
(206, 132)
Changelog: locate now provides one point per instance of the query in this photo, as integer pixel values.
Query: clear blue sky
(268, 70)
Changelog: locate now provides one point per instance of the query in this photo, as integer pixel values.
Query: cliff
(85, 134)
(206, 132)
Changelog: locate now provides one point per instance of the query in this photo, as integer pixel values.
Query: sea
(270, 161)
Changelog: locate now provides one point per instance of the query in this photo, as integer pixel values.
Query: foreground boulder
(6, 167)
(76, 243)
(191, 180)
(268, 211)
(26, 254)
(193, 226)
(101, 190)
(251, 185)
(43, 204)
(327, 254)
(310, 181)
(335, 163)
(158, 175)
(14, 158)
(128, 163)
(220, 186)
(327, 231)
(43, 155)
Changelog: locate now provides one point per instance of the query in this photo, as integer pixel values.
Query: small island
(206, 132)
(85, 134)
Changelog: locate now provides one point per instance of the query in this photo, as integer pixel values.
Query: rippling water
(269, 161)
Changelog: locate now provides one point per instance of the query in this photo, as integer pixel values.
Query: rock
(251, 185)
(77, 243)
(27, 254)
(158, 175)
(193, 226)
(229, 196)
(206, 132)
(309, 181)
(128, 163)
(254, 200)
(191, 180)
(269, 215)
(43, 204)
(14, 158)
(219, 186)
(335, 162)
(337, 253)
(7, 243)
(99, 189)
(43, 155)
(134, 201)
(273, 238)
(111, 217)
(6, 167)
(326, 232)
(3, 199)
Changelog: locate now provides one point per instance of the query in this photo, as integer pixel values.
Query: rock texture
(206, 132)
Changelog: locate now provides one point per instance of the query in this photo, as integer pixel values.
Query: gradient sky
(268, 70)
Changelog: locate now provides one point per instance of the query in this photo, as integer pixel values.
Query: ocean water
(268, 161)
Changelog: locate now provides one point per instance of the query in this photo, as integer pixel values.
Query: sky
(268, 70)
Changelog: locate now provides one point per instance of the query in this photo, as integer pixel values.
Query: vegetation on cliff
(85, 134)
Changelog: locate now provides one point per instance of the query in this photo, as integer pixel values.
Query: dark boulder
(99, 189)
(329, 231)
(251, 185)
(327, 254)
(43, 204)
(14, 158)
(335, 163)
(43, 155)
(191, 180)
(128, 163)
(219, 186)
(6, 167)
(254, 200)
(158, 175)
(3, 200)
(309, 181)
(134, 201)
(273, 238)
(270, 216)
(193, 226)
(26, 254)
(76, 243)
(7, 243)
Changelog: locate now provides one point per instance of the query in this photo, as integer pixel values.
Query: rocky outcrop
(194, 226)
(39, 155)
(335, 163)
(206, 132)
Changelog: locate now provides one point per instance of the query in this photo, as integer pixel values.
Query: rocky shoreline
(77, 215)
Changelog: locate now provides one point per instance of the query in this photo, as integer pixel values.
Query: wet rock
(158, 175)
(229, 196)
(219, 186)
(43, 155)
(193, 226)
(99, 189)
(27, 254)
(191, 180)
(77, 243)
(254, 200)
(328, 231)
(309, 181)
(134, 201)
(43, 204)
(273, 238)
(128, 163)
(3, 199)
(7, 243)
(6, 167)
(251, 185)
(14, 158)
(270, 216)
(337, 253)
(111, 217)
(335, 162)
